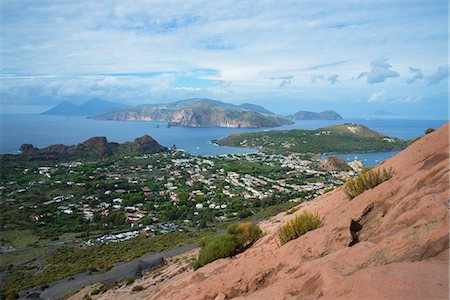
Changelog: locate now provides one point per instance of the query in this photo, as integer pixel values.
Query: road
(121, 271)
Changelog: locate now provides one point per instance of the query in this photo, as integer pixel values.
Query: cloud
(316, 78)
(285, 80)
(381, 97)
(417, 75)
(441, 73)
(321, 66)
(159, 50)
(333, 78)
(377, 97)
(379, 71)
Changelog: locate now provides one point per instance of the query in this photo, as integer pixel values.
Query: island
(88, 108)
(342, 138)
(199, 112)
(308, 115)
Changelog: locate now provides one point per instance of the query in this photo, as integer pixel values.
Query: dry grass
(366, 181)
(300, 225)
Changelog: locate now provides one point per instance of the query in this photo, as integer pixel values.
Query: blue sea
(42, 130)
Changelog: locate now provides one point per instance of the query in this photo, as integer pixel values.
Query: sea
(44, 130)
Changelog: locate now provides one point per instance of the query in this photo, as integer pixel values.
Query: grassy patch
(19, 238)
(303, 223)
(66, 262)
(237, 237)
(17, 257)
(365, 181)
(292, 210)
(137, 288)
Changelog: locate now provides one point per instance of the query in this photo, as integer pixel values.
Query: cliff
(402, 251)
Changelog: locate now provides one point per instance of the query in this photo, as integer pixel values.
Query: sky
(355, 57)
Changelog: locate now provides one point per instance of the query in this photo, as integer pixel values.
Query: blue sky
(351, 56)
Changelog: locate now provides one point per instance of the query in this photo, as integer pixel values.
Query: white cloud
(440, 74)
(380, 70)
(333, 78)
(377, 97)
(381, 97)
(417, 75)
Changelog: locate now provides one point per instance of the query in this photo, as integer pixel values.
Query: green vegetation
(365, 181)
(99, 290)
(130, 280)
(10, 259)
(137, 288)
(300, 225)
(292, 210)
(68, 261)
(19, 238)
(335, 139)
(236, 239)
(429, 130)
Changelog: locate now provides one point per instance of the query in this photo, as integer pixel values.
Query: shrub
(237, 237)
(292, 210)
(365, 181)
(130, 280)
(248, 231)
(300, 225)
(429, 130)
(98, 290)
(137, 288)
(244, 214)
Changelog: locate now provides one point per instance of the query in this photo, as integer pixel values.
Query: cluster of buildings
(203, 181)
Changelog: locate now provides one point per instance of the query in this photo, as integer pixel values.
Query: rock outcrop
(93, 148)
(333, 163)
(400, 250)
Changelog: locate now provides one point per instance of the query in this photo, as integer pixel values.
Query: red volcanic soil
(402, 251)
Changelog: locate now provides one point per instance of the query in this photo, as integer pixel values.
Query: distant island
(89, 108)
(308, 115)
(93, 148)
(382, 112)
(199, 112)
(335, 139)
(195, 112)
(258, 108)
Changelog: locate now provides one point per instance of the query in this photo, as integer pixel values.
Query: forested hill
(334, 139)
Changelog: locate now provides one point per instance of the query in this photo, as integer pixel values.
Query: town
(155, 194)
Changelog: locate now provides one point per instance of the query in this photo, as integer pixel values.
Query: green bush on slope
(365, 181)
(238, 237)
(300, 225)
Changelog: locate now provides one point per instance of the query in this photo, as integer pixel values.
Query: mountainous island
(335, 139)
(199, 112)
(89, 108)
(308, 115)
(93, 148)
